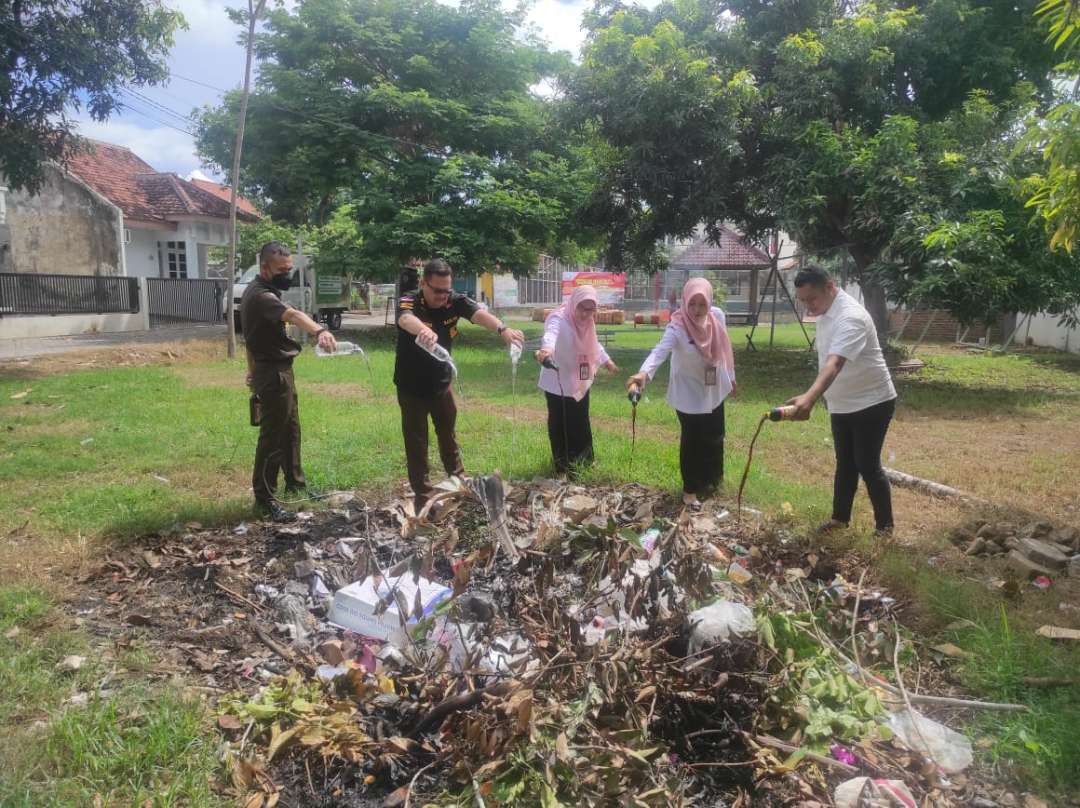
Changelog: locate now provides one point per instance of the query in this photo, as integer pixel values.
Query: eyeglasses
(442, 292)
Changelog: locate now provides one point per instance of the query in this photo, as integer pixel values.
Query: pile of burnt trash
(536, 644)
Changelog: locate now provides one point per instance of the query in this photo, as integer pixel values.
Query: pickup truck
(325, 297)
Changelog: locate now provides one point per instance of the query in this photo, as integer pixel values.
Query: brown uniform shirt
(261, 309)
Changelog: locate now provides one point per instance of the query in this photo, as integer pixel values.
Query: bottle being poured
(343, 349)
(440, 353)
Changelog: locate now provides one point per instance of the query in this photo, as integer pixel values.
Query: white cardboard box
(354, 606)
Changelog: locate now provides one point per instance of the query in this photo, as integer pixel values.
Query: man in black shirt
(270, 355)
(430, 316)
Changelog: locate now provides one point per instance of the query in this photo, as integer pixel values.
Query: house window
(3, 205)
(175, 256)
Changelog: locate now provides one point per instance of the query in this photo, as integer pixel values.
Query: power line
(136, 110)
(159, 106)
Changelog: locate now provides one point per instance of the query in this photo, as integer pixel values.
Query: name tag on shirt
(583, 372)
(710, 376)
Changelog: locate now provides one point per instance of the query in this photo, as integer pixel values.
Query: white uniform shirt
(847, 330)
(687, 391)
(560, 340)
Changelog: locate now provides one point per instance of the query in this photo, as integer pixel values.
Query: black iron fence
(32, 293)
(185, 300)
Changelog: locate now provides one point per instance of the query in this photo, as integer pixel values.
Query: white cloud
(559, 22)
(164, 148)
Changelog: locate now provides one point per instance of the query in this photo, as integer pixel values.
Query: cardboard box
(355, 606)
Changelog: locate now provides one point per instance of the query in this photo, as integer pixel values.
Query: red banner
(610, 286)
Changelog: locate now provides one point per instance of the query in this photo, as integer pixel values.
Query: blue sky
(208, 54)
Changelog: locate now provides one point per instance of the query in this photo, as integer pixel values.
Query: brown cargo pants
(278, 448)
(415, 411)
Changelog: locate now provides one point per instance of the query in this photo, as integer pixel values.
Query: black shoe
(276, 511)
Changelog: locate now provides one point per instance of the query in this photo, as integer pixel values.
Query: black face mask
(282, 281)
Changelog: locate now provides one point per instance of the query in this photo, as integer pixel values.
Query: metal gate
(185, 300)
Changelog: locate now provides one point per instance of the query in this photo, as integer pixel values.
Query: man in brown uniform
(270, 355)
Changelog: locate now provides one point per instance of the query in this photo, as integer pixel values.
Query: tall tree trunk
(254, 10)
(873, 293)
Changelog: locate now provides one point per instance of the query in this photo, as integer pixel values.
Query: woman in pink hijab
(702, 376)
(570, 344)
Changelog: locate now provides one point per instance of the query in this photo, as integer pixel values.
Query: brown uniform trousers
(279, 430)
(415, 411)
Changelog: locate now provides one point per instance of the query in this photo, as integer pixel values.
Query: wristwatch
(500, 329)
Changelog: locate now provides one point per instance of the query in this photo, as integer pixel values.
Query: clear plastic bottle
(343, 349)
(515, 354)
(440, 353)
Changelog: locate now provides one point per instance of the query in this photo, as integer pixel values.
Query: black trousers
(858, 438)
(569, 431)
(415, 411)
(701, 450)
(278, 449)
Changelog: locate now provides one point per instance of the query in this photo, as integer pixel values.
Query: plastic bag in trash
(950, 750)
(718, 623)
(862, 792)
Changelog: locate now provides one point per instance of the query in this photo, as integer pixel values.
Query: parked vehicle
(324, 296)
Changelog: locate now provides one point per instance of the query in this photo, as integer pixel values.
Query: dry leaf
(278, 739)
(229, 723)
(24, 394)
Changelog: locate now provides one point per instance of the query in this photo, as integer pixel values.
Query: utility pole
(254, 11)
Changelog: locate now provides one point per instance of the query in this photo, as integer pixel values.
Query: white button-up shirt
(560, 341)
(847, 330)
(687, 391)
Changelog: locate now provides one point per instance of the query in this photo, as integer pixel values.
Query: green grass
(82, 455)
(133, 747)
(1039, 747)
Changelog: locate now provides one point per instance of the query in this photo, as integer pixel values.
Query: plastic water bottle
(343, 349)
(440, 353)
(515, 354)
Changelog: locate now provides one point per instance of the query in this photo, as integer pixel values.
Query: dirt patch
(166, 353)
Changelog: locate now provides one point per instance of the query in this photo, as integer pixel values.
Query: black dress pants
(858, 438)
(569, 431)
(701, 450)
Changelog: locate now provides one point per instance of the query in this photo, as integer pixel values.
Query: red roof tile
(143, 194)
(222, 192)
(733, 252)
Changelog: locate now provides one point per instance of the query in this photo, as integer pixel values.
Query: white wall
(19, 327)
(142, 253)
(1045, 332)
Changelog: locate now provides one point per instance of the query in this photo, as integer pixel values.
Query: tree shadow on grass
(962, 402)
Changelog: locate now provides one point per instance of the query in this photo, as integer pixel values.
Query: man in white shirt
(855, 381)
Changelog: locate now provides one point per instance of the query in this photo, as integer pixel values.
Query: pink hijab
(710, 337)
(583, 333)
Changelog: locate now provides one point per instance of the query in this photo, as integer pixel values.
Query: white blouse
(560, 341)
(687, 388)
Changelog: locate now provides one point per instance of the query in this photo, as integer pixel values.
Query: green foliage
(814, 695)
(811, 119)
(420, 118)
(251, 236)
(975, 250)
(1055, 191)
(56, 57)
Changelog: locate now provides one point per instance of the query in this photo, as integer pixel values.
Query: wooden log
(929, 486)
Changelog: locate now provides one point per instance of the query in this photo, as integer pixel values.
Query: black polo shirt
(417, 372)
(261, 309)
